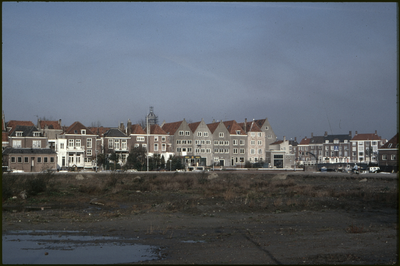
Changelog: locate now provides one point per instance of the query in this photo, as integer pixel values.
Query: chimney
(245, 125)
(121, 127)
(376, 132)
(213, 121)
(326, 133)
(356, 132)
(128, 127)
(295, 139)
(284, 138)
(350, 133)
(312, 135)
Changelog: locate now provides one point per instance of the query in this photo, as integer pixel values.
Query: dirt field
(219, 217)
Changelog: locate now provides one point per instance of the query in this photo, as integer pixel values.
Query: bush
(37, 184)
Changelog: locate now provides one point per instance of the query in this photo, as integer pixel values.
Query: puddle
(193, 241)
(72, 247)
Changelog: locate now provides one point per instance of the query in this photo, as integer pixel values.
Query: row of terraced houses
(49, 145)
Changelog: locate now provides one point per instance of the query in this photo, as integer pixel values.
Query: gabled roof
(114, 132)
(392, 143)
(194, 126)
(317, 140)
(50, 124)
(251, 126)
(14, 123)
(137, 129)
(155, 129)
(99, 130)
(27, 131)
(305, 141)
(213, 126)
(277, 142)
(367, 136)
(76, 128)
(171, 128)
(260, 122)
(232, 127)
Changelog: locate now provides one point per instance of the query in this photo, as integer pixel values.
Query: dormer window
(83, 131)
(18, 133)
(36, 134)
(237, 132)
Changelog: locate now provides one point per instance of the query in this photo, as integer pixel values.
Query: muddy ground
(220, 217)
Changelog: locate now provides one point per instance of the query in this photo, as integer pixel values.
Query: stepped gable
(137, 129)
(232, 127)
(49, 124)
(194, 126)
(171, 128)
(156, 129)
(76, 127)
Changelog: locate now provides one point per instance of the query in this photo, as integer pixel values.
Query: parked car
(374, 169)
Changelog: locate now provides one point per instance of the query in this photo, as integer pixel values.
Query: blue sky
(307, 67)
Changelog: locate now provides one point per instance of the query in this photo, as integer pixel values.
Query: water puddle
(72, 247)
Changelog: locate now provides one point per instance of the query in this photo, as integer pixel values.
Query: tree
(115, 158)
(176, 163)
(137, 159)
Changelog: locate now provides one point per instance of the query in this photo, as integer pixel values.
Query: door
(32, 163)
(221, 162)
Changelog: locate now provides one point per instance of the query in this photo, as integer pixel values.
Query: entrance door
(222, 162)
(63, 161)
(32, 163)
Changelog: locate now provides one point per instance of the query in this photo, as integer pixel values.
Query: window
(89, 143)
(208, 150)
(39, 159)
(235, 151)
(110, 143)
(345, 141)
(124, 144)
(61, 146)
(52, 159)
(203, 150)
(270, 136)
(199, 134)
(178, 149)
(384, 157)
(18, 133)
(215, 150)
(71, 143)
(221, 150)
(253, 142)
(19, 159)
(137, 145)
(393, 157)
(189, 141)
(221, 134)
(13, 159)
(259, 134)
(26, 159)
(215, 142)
(327, 141)
(163, 147)
(183, 141)
(163, 139)
(259, 151)
(155, 146)
(187, 133)
(237, 132)
(253, 134)
(36, 143)
(155, 138)
(183, 149)
(374, 143)
(336, 141)
(252, 151)
(144, 145)
(78, 143)
(78, 159)
(140, 139)
(178, 141)
(116, 144)
(226, 142)
(181, 133)
(208, 142)
(241, 151)
(221, 142)
(45, 159)
(205, 134)
(259, 142)
(235, 142)
(71, 159)
(36, 134)
(83, 131)
(16, 144)
(89, 152)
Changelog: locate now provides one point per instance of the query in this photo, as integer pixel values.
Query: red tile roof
(368, 136)
(50, 124)
(99, 130)
(137, 129)
(14, 123)
(76, 127)
(277, 142)
(392, 143)
(213, 126)
(155, 129)
(232, 126)
(260, 122)
(4, 136)
(193, 126)
(171, 128)
(251, 126)
(305, 141)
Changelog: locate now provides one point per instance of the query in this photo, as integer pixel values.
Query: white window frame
(221, 134)
(88, 143)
